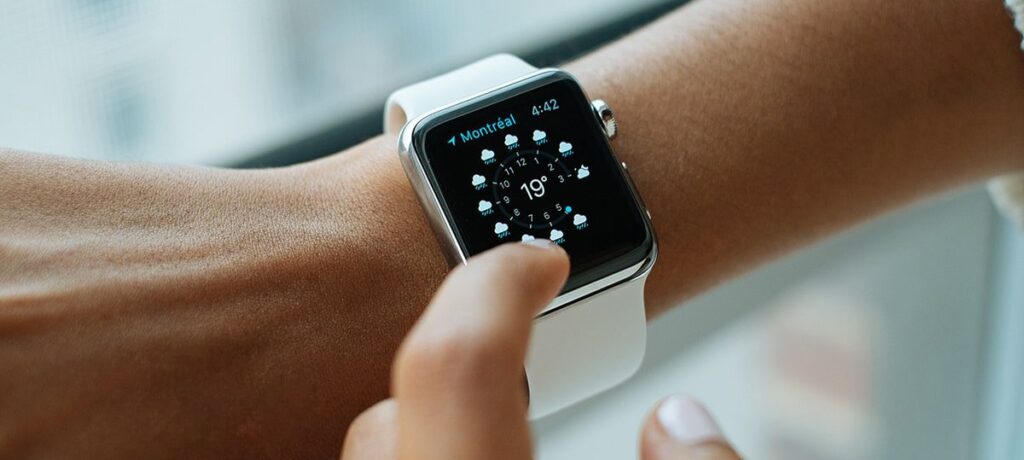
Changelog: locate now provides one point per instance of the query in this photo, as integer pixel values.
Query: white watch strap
(578, 350)
(586, 347)
(419, 98)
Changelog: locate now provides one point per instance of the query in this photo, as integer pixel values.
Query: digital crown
(607, 117)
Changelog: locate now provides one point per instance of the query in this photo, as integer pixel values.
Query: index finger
(458, 377)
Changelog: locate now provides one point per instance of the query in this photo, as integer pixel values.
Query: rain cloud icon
(486, 154)
(583, 172)
(500, 228)
(564, 147)
(539, 136)
(528, 237)
(484, 206)
(478, 180)
(511, 140)
(556, 234)
(578, 219)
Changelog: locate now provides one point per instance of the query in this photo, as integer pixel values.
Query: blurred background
(903, 338)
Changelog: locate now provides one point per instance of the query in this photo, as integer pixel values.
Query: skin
(456, 380)
(167, 311)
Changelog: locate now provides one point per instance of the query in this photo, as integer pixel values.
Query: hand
(458, 377)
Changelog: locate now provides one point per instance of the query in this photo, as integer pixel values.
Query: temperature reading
(534, 188)
(542, 177)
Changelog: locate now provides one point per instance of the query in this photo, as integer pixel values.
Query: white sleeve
(1008, 191)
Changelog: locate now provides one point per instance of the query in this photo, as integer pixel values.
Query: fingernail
(687, 421)
(541, 243)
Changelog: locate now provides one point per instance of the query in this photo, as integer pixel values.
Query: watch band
(584, 347)
(419, 98)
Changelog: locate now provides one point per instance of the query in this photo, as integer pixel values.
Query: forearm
(161, 311)
(753, 127)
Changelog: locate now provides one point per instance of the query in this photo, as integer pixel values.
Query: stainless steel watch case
(443, 228)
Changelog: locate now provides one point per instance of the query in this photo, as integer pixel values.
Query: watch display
(533, 162)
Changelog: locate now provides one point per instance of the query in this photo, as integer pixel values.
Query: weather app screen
(536, 165)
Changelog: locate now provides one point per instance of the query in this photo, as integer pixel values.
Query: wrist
(364, 196)
(330, 264)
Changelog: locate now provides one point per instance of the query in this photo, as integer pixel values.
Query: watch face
(533, 162)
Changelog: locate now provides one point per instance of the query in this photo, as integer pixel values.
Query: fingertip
(540, 247)
(554, 256)
(547, 264)
(533, 266)
(686, 420)
(543, 243)
(680, 427)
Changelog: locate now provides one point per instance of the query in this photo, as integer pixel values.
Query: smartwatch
(500, 151)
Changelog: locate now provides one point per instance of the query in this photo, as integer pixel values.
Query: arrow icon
(452, 140)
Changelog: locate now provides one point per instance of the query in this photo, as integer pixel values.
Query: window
(220, 82)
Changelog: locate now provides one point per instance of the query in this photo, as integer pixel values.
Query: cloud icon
(500, 228)
(578, 219)
(511, 140)
(584, 171)
(486, 154)
(564, 147)
(539, 135)
(478, 179)
(528, 237)
(484, 205)
(556, 234)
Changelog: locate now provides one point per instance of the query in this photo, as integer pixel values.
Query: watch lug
(606, 116)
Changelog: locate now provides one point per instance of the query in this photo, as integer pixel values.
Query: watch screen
(534, 163)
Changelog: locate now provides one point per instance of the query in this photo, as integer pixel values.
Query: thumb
(680, 428)
(458, 377)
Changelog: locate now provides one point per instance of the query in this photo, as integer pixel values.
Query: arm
(752, 128)
(255, 313)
